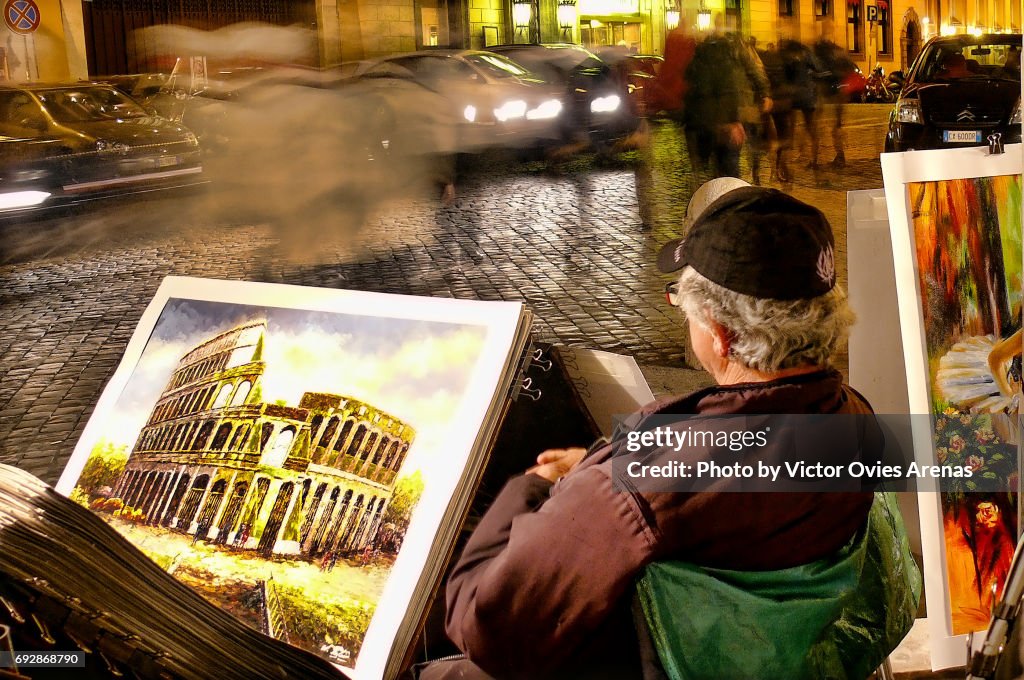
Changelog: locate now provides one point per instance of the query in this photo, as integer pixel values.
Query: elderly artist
(545, 586)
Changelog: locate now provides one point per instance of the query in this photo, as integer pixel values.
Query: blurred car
(594, 95)
(641, 74)
(959, 90)
(68, 140)
(494, 101)
(142, 87)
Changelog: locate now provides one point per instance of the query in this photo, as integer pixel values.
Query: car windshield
(950, 61)
(88, 105)
(497, 66)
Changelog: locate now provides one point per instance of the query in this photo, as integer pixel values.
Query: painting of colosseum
(271, 458)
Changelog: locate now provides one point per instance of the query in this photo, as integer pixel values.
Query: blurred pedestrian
(777, 120)
(725, 80)
(670, 84)
(837, 71)
(801, 72)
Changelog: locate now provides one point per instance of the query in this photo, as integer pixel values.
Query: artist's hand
(556, 463)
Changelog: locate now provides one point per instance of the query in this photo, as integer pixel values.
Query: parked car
(638, 72)
(68, 140)
(959, 90)
(594, 95)
(142, 87)
(495, 101)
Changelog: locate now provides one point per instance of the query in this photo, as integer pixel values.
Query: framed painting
(293, 453)
(490, 36)
(955, 217)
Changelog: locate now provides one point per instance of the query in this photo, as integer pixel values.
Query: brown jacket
(545, 583)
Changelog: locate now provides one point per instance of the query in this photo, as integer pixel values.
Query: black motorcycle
(880, 88)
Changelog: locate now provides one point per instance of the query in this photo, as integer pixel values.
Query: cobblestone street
(567, 240)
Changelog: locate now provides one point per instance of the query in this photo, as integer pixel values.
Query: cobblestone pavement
(567, 240)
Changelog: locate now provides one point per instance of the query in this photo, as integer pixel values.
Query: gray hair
(769, 335)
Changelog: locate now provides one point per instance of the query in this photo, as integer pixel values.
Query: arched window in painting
(332, 427)
(239, 440)
(389, 459)
(279, 450)
(314, 426)
(241, 394)
(204, 434)
(346, 430)
(221, 438)
(223, 395)
(357, 440)
(268, 429)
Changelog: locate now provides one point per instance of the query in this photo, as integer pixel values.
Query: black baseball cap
(759, 242)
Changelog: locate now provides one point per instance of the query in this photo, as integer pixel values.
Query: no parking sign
(21, 16)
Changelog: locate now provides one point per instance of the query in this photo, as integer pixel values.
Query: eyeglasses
(672, 293)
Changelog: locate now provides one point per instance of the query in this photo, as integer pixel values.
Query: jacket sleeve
(755, 72)
(535, 579)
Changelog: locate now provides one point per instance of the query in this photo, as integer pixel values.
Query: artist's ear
(721, 338)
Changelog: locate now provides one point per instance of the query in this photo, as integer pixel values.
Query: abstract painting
(956, 225)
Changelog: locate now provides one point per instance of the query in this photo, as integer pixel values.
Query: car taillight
(908, 111)
(1015, 119)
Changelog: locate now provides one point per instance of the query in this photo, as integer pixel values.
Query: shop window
(854, 27)
(822, 8)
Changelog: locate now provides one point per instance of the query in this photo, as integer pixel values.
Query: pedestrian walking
(837, 69)
(727, 86)
(801, 72)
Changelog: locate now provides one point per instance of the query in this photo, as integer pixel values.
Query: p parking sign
(21, 16)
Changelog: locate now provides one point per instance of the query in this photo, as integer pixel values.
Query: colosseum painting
(273, 458)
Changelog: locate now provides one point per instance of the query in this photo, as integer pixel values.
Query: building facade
(217, 460)
(76, 40)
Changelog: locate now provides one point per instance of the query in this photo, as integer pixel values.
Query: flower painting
(967, 238)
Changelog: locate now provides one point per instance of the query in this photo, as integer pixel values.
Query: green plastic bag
(835, 618)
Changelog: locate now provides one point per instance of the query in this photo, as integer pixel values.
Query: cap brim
(671, 257)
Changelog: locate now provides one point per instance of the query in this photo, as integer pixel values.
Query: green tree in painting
(407, 494)
(104, 466)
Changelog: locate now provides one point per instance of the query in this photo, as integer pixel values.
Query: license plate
(164, 161)
(961, 136)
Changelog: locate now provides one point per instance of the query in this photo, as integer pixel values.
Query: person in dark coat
(545, 585)
(727, 87)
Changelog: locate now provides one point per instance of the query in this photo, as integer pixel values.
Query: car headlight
(908, 111)
(30, 175)
(191, 139)
(605, 104)
(1015, 119)
(513, 109)
(469, 113)
(548, 109)
(22, 199)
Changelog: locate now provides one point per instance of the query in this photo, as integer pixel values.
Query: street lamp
(672, 17)
(522, 10)
(703, 18)
(566, 15)
(522, 18)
